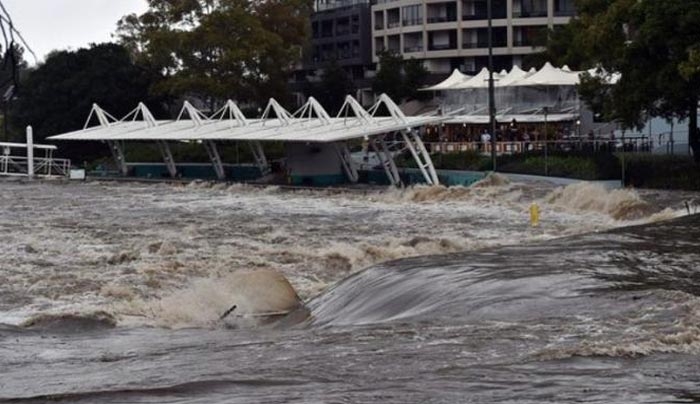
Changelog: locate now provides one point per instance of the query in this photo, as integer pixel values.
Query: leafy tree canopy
(243, 49)
(653, 44)
(400, 79)
(57, 96)
(331, 90)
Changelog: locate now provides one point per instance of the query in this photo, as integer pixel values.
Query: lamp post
(546, 143)
(492, 101)
(578, 133)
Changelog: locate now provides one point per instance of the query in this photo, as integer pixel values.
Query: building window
(379, 20)
(355, 25)
(529, 8)
(442, 40)
(564, 8)
(393, 19)
(413, 42)
(442, 12)
(412, 15)
(476, 9)
(378, 45)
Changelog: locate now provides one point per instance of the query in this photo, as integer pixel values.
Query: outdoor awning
(455, 78)
(310, 124)
(519, 118)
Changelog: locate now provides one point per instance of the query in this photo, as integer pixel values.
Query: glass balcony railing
(411, 22)
(482, 44)
(435, 20)
(414, 48)
(529, 13)
(439, 47)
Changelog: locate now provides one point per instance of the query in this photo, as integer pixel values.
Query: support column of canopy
(215, 158)
(382, 151)
(259, 156)
(346, 161)
(164, 148)
(198, 119)
(116, 147)
(421, 156)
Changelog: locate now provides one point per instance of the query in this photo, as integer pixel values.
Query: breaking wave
(207, 302)
(620, 204)
(71, 323)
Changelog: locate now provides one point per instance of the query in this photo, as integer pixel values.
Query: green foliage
(399, 78)
(219, 49)
(652, 44)
(335, 84)
(579, 165)
(585, 166)
(466, 161)
(57, 96)
(661, 172)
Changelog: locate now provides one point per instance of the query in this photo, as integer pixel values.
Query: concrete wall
(313, 164)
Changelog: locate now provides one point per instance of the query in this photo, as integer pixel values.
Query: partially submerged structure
(31, 160)
(314, 140)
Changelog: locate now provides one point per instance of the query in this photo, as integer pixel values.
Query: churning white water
(163, 254)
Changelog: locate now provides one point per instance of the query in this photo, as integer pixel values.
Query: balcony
(564, 13)
(522, 42)
(530, 14)
(393, 24)
(439, 47)
(436, 20)
(411, 22)
(476, 45)
(412, 49)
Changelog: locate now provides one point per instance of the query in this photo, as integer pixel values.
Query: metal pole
(492, 101)
(30, 152)
(546, 157)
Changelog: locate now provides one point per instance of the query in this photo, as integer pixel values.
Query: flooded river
(112, 293)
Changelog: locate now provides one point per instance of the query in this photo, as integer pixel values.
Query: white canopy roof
(515, 74)
(455, 78)
(520, 118)
(311, 123)
(548, 75)
(481, 80)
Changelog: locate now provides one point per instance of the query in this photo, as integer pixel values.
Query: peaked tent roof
(516, 74)
(481, 80)
(549, 75)
(455, 78)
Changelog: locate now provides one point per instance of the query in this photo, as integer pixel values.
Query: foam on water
(99, 246)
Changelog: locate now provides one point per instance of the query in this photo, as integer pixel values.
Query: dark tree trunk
(693, 135)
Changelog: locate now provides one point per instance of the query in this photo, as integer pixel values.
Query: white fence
(26, 164)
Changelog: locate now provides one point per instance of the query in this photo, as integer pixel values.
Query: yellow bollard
(534, 215)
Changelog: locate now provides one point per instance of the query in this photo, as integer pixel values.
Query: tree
(653, 45)
(218, 49)
(414, 75)
(400, 79)
(57, 95)
(11, 67)
(331, 90)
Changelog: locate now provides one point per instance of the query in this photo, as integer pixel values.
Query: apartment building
(341, 31)
(453, 34)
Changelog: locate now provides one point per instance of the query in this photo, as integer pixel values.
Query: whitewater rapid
(167, 254)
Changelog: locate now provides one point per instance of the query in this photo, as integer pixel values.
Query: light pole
(546, 138)
(492, 101)
(578, 133)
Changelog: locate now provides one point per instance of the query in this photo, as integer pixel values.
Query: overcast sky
(49, 25)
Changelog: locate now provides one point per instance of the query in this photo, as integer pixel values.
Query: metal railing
(43, 166)
(633, 145)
